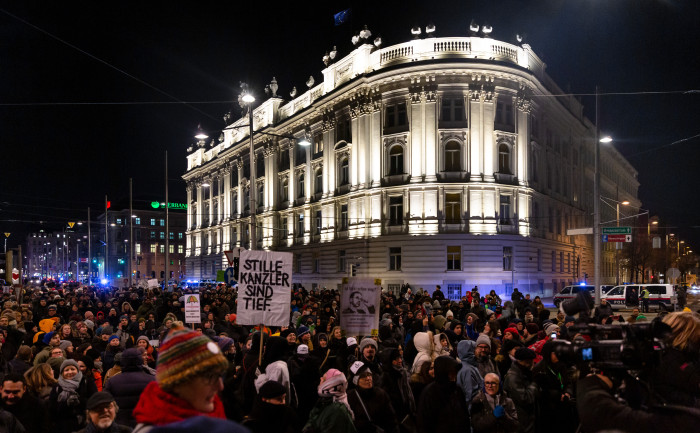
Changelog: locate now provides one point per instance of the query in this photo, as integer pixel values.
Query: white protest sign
(193, 311)
(359, 307)
(264, 288)
(152, 283)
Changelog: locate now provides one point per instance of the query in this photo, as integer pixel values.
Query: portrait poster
(359, 307)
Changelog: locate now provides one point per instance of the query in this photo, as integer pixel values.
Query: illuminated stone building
(454, 161)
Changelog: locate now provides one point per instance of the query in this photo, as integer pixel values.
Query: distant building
(70, 256)
(454, 161)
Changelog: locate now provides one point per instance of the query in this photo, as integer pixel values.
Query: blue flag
(341, 17)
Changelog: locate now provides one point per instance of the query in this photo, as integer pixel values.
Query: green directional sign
(617, 230)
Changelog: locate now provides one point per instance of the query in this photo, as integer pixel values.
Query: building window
(285, 229)
(561, 261)
(261, 195)
(137, 221)
(535, 217)
(504, 116)
(297, 263)
(161, 248)
(319, 222)
(554, 261)
(162, 222)
(318, 143)
(119, 221)
(180, 235)
(453, 110)
(344, 172)
(453, 208)
(180, 249)
(453, 156)
(342, 261)
(395, 258)
(153, 221)
(396, 210)
(171, 249)
(396, 160)
(161, 235)
(344, 130)
(504, 158)
(319, 181)
(396, 115)
(505, 209)
(454, 258)
(285, 190)
(343, 217)
(300, 187)
(153, 248)
(153, 234)
(507, 258)
(568, 262)
(316, 263)
(533, 167)
(300, 225)
(171, 236)
(138, 248)
(234, 203)
(550, 218)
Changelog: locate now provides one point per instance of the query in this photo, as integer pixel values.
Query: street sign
(617, 238)
(616, 231)
(71, 224)
(581, 231)
(235, 253)
(229, 277)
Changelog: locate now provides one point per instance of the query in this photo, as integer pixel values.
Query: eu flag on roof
(341, 17)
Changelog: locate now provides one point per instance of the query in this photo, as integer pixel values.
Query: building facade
(454, 161)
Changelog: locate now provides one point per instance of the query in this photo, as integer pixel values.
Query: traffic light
(236, 263)
(353, 270)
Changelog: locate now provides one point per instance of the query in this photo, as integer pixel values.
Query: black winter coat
(66, 418)
(522, 389)
(126, 387)
(379, 409)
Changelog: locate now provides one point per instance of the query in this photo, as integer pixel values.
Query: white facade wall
(521, 175)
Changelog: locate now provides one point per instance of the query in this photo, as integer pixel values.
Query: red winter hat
(512, 331)
(232, 317)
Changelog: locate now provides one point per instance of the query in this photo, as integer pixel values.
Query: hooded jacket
(442, 407)
(468, 379)
(424, 344)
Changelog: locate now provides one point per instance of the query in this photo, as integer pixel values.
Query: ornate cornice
(329, 119)
(482, 88)
(422, 89)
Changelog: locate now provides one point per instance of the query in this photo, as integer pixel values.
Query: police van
(570, 292)
(661, 296)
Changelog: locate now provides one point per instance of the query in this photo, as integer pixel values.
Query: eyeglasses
(491, 383)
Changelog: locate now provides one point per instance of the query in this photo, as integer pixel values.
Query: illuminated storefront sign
(161, 205)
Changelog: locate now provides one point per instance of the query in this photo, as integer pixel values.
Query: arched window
(302, 193)
(344, 172)
(504, 158)
(318, 181)
(396, 160)
(453, 156)
(533, 167)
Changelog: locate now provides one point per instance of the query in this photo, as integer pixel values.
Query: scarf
(157, 407)
(335, 386)
(69, 386)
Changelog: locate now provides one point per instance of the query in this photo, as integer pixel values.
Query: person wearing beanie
(370, 403)
(304, 373)
(271, 414)
(520, 386)
(51, 340)
(113, 347)
(369, 355)
(68, 398)
(188, 380)
(482, 353)
(127, 386)
(439, 323)
(511, 334)
(332, 413)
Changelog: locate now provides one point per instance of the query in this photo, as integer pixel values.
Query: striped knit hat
(185, 354)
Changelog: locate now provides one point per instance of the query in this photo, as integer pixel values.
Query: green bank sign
(161, 205)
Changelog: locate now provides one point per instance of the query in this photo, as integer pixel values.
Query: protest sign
(193, 311)
(359, 307)
(152, 283)
(264, 288)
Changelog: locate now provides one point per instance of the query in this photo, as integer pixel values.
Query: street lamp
(248, 98)
(596, 203)
(617, 244)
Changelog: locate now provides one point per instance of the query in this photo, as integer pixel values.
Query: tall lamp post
(617, 244)
(248, 98)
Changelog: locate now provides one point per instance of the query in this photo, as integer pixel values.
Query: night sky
(93, 93)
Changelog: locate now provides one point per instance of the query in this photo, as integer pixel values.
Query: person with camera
(677, 378)
(600, 410)
(554, 412)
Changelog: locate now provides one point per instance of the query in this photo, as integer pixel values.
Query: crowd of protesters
(96, 360)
